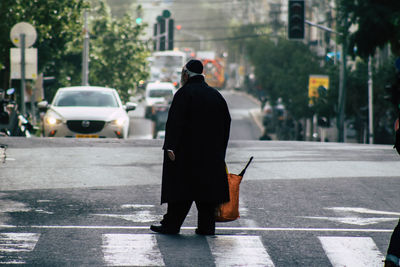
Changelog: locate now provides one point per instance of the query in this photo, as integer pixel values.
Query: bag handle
(247, 165)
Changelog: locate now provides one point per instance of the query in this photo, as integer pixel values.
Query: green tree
(282, 70)
(117, 56)
(57, 22)
(378, 23)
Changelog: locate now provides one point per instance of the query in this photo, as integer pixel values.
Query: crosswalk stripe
(351, 251)
(241, 229)
(131, 250)
(12, 244)
(239, 251)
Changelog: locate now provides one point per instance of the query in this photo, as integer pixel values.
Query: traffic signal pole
(164, 32)
(342, 81)
(370, 103)
(342, 91)
(23, 84)
(85, 52)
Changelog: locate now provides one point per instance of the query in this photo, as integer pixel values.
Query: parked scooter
(14, 123)
(4, 115)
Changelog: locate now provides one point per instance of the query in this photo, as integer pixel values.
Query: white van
(157, 93)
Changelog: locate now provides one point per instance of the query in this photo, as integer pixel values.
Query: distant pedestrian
(4, 117)
(196, 139)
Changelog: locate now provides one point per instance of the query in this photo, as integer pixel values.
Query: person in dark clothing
(196, 139)
(393, 252)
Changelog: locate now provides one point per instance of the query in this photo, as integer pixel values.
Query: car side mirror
(130, 106)
(43, 105)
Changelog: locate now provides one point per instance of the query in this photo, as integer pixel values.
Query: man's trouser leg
(394, 245)
(206, 217)
(176, 214)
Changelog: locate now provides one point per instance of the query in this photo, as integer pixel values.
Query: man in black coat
(393, 252)
(196, 139)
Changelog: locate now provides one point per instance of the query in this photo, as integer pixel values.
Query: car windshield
(160, 93)
(86, 99)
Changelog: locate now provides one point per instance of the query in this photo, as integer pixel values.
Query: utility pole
(85, 52)
(23, 85)
(342, 77)
(342, 90)
(370, 103)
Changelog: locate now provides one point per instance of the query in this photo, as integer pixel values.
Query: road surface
(243, 125)
(90, 203)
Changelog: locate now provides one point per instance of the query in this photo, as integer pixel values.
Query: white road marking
(239, 251)
(256, 229)
(141, 137)
(243, 211)
(13, 243)
(351, 251)
(362, 210)
(12, 206)
(44, 201)
(136, 206)
(280, 168)
(131, 250)
(43, 211)
(354, 220)
(142, 216)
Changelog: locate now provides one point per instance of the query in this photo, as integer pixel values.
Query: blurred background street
(313, 89)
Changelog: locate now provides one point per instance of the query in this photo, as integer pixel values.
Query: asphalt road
(90, 203)
(243, 126)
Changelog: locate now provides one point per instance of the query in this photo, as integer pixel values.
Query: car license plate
(86, 136)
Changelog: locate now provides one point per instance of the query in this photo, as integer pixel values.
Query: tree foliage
(377, 22)
(282, 70)
(357, 104)
(116, 53)
(118, 56)
(57, 22)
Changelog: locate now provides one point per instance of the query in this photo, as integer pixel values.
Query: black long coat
(197, 130)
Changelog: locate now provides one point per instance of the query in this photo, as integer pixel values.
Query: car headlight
(119, 122)
(53, 120)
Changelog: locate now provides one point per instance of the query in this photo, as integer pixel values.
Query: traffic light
(164, 32)
(296, 19)
(178, 27)
(170, 34)
(161, 22)
(139, 15)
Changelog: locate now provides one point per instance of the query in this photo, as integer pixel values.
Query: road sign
(314, 82)
(30, 63)
(23, 28)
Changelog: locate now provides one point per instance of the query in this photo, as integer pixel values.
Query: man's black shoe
(202, 232)
(163, 230)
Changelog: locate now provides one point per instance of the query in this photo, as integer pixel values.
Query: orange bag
(229, 211)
